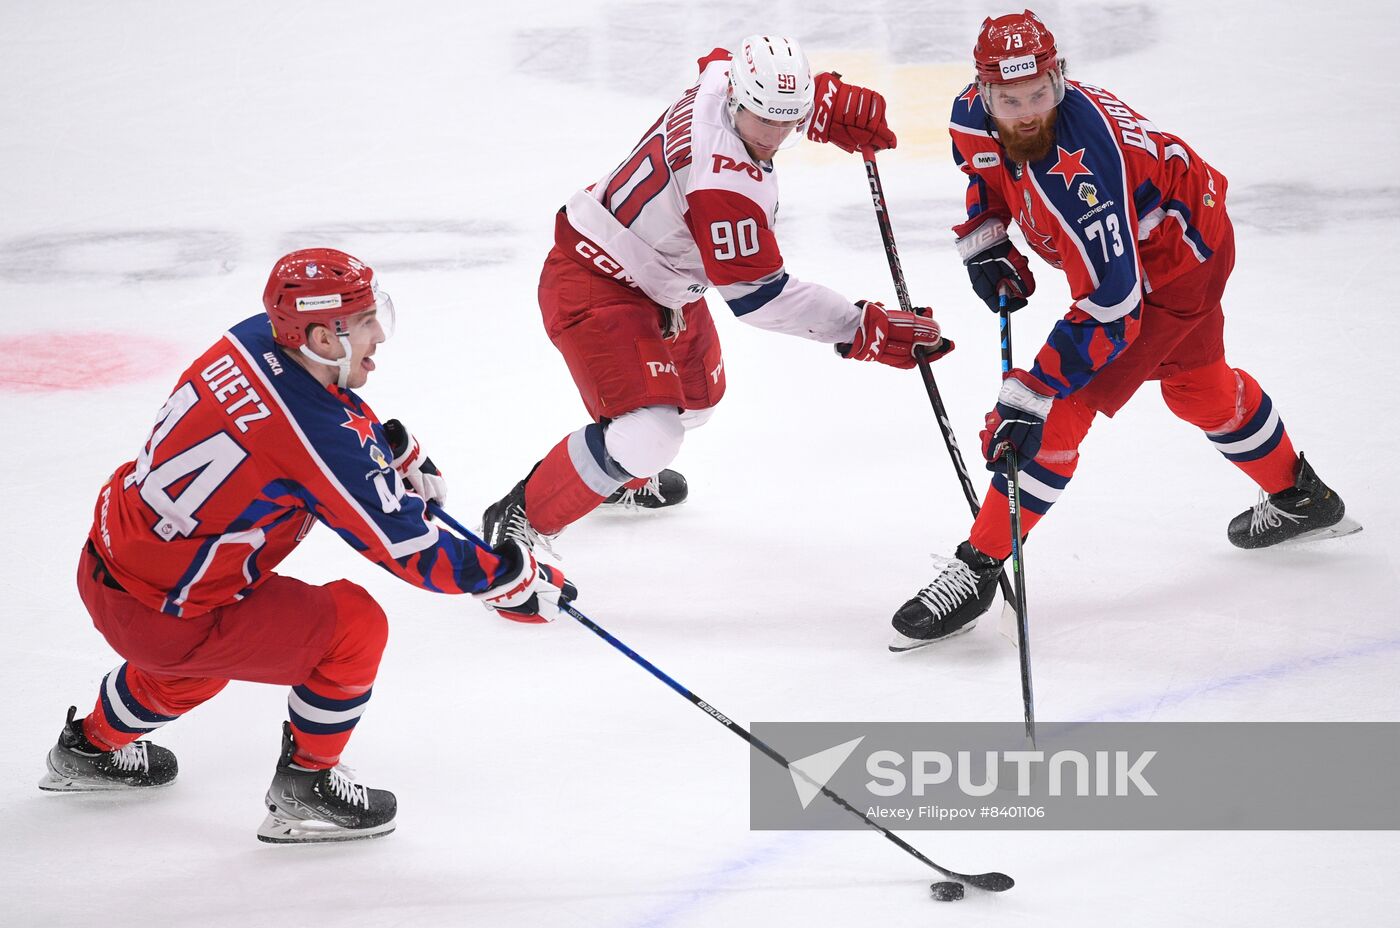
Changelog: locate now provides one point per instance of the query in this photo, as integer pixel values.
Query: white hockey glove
(418, 471)
(531, 593)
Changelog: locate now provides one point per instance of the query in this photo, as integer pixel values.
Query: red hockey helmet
(317, 286)
(1018, 48)
(1014, 47)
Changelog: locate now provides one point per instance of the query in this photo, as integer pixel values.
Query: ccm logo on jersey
(603, 262)
(724, 163)
(986, 159)
(1015, 67)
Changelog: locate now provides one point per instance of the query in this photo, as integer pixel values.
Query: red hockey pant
(325, 642)
(1180, 344)
(611, 337)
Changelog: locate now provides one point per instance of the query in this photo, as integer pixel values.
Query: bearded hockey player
(1136, 219)
(693, 206)
(262, 437)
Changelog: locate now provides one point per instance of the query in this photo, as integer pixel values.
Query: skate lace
(519, 528)
(951, 585)
(1268, 516)
(343, 785)
(628, 499)
(133, 756)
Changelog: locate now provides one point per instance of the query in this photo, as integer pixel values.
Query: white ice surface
(156, 158)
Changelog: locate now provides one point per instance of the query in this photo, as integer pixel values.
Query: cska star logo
(969, 95)
(1069, 166)
(360, 425)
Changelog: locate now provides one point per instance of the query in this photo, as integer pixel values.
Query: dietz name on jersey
(225, 380)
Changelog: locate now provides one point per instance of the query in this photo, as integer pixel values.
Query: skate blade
(56, 783)
(902, 642)
(1007, 628)
(622, 510)
(277, 829)
(1347, 526)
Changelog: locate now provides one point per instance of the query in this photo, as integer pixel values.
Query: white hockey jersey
(688, 209)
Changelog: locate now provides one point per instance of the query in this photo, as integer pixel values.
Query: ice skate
(1307, 511)
(663, 491)
(950, 605)
(76, 765)
(313, 806)
(506, 518)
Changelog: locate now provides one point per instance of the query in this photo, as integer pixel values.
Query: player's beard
(1027, 148)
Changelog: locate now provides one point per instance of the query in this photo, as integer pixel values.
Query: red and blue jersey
(247, 453)
(1120, 206)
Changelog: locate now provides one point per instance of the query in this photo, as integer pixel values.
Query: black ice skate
(960, 592)
(1309, 510)
(666, 489)
(76, 765)
(311, 806)
(506, 518)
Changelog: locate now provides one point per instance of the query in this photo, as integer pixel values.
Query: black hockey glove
(993, 264)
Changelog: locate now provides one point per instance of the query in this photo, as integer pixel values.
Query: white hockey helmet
(770, 77)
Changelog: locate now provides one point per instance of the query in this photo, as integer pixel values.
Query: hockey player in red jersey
(693, 206)
(1137, 221)
(262, 437)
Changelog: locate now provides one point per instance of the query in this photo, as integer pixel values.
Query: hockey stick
(992, 882)
(882, 216)
(1018, 566)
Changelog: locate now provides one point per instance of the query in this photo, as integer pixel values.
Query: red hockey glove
(848, 116)
(1018, 421)
(532, 593)
(417, 470)
(891, 336)
(993, 263)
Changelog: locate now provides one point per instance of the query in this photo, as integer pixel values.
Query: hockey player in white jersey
(693, 206)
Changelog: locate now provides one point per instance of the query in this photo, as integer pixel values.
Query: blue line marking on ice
(1272, 672)
(717, 879)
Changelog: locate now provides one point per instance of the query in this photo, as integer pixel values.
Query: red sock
(572, 480)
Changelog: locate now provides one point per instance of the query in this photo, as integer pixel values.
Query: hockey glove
(531, 593)
(848, 116)
(1018, 421)
(892, 336)
(993, 263)
(418, 472)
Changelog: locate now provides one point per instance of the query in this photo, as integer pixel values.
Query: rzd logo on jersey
(723, 163)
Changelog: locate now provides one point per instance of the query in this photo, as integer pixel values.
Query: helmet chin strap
(342, 365)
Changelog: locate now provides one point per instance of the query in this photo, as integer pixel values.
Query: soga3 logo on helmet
(1018, 67)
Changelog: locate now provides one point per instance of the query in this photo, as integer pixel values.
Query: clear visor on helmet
(1024, 99)
(384, 315)
(763, 134)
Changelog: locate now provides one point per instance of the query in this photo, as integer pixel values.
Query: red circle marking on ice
(43, 362)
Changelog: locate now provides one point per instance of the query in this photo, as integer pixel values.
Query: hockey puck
(947, 891)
